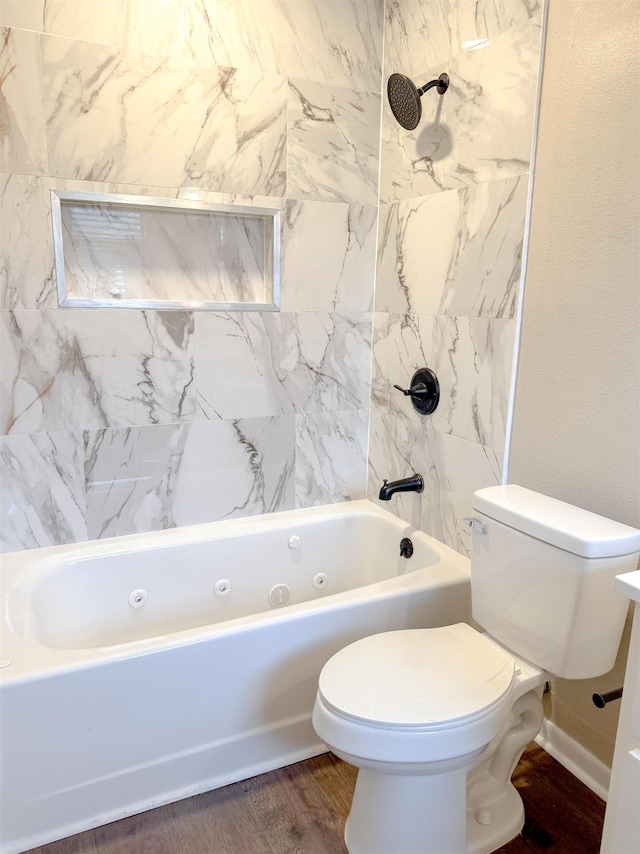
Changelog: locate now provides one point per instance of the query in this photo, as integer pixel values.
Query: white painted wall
(576, 431)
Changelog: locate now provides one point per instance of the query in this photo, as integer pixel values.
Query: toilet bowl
(415, 710)
(436, 719)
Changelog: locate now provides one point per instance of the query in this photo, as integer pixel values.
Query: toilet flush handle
(475, 524)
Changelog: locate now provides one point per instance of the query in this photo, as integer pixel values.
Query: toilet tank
(542, 579)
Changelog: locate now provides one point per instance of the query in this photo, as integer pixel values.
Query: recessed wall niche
(144, 252)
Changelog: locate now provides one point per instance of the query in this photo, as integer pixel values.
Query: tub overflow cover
(406, 547)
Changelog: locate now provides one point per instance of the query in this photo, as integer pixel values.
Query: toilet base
(495, 812)
(495, 823)
(425, 813)
(392, 813)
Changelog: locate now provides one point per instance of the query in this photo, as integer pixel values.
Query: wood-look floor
(301, 809)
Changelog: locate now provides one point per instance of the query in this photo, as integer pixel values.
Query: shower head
(404, 98)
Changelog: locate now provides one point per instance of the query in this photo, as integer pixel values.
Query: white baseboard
(575, 758)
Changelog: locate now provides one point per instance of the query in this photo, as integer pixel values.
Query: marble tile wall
(122, 421)
(453, 197)
(117, 421)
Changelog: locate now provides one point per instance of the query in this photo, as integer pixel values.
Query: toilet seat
(415, 695)
(417, 678)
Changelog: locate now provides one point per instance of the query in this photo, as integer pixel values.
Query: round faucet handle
(424, 391)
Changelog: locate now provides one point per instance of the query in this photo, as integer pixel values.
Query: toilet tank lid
(562, 525)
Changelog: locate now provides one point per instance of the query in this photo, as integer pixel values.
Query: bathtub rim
(30, 661)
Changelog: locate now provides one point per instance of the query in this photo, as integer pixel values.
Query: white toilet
(436, 719)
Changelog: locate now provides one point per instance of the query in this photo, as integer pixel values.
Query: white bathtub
(128, 681)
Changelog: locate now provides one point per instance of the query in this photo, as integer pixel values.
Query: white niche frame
(271, 218)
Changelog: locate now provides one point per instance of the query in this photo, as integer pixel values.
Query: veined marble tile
(130, 478)
(250, 364)
(452, 469)
(152, 478)
(463, 467)
(155, 26)
(417, 36)
(334, 361)
(422, 33)
(490, 107)
(416, 247)
(339, 43)
(402, 343)
(332, 143)
(118, 115)
(212, 197)
(470, 21)
(331, 457)
(242, 361)
(22, 128)
(456, 253)
(26, 251)
(185, 192)
(473, 358)
(76, 369)
(391, 456)
(483, 277)
(241, 468)
(41, 491)
(328, 256)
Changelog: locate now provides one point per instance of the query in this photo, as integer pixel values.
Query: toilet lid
(417, 677)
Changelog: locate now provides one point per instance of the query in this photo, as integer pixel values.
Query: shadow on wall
(435, 141)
